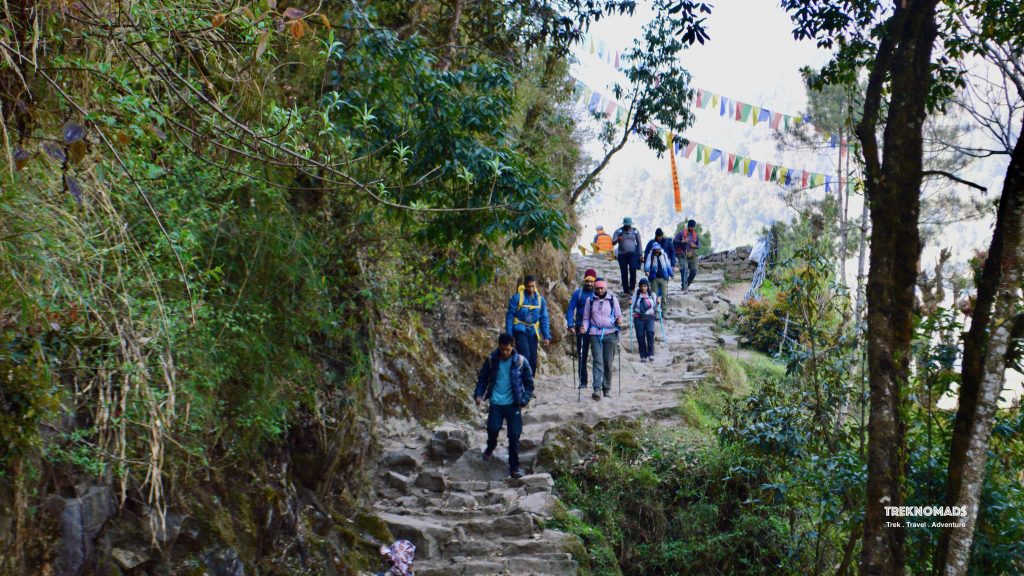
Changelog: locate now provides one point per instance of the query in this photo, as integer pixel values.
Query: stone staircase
(466, 517)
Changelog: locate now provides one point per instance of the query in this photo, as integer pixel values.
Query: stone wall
(734, 264)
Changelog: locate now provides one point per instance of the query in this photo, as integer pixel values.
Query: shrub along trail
(466, 516)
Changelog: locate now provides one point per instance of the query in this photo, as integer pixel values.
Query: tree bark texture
(893, 188)
(984, 364)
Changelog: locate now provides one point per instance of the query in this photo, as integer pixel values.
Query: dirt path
(466, 516)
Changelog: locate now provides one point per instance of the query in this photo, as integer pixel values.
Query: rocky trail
(466, 516)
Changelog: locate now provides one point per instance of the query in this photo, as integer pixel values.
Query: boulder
(431, 480)
(403, 462)
(539, 503)
(398, 481)
(448, 443)
(472, 467)
(428, 537)
(81, 519)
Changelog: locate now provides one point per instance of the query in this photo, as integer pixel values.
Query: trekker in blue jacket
(527, 320)
(666, 246)
(574, 319)
(658, 270)
(507, 381)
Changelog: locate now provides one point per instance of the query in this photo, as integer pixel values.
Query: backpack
(540, 302)
(685, 246)
(643, 304)
(590, 304)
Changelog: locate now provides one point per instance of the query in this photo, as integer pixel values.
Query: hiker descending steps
(527, 320)
(658, 268)
(667, 246)
(628, 240)
(686, 244)
(574, 321)
(644, 311)
(602, 319)
(507, 381)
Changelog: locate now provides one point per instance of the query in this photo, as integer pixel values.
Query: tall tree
(895, 41)
(987, 30)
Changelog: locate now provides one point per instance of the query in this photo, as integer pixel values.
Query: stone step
(550, 541)
(429, 537)
(514, 525)
(550, 564)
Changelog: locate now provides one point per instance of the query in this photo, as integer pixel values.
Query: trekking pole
(573, 348)
(630, 319)
(662, 320)
(620, 364)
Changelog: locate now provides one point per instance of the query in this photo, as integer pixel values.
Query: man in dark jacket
(627, 239)
(574, 319)
(686, 243)
(506, 380)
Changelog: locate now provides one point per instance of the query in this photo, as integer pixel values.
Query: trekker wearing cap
(644, 308)
(602, 319)
(628, 240)
(527, 320)
(574, 319)
(602, 243)
(507, 381)
(687, 242)
(658, 269)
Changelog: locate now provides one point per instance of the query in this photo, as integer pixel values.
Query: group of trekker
(594, 315)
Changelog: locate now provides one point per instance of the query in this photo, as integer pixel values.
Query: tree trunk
(984, 365)
(893, 188)
(453, 36)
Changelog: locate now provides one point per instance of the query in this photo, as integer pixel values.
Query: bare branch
(954, 178)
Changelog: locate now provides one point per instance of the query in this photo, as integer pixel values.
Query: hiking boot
(607, 393)
(595, 396)
(517, 473)
(486, 455)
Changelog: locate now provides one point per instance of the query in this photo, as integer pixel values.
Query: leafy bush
(762, 322)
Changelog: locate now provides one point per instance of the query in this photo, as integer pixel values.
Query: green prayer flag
(745, 113)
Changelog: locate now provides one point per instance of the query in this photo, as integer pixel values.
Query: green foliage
(762, 322)
(652, 505)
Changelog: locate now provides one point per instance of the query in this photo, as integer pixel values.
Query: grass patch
(702, 408)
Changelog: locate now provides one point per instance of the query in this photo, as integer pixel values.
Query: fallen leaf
(74, 188)
(73, 132)
(261, 46)
(122, 138)
(76, 151)
(218, 20)
(325, 21)
(272, 4)
(297, 29)
(21, 158)
(54, 151)
(293, 13)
